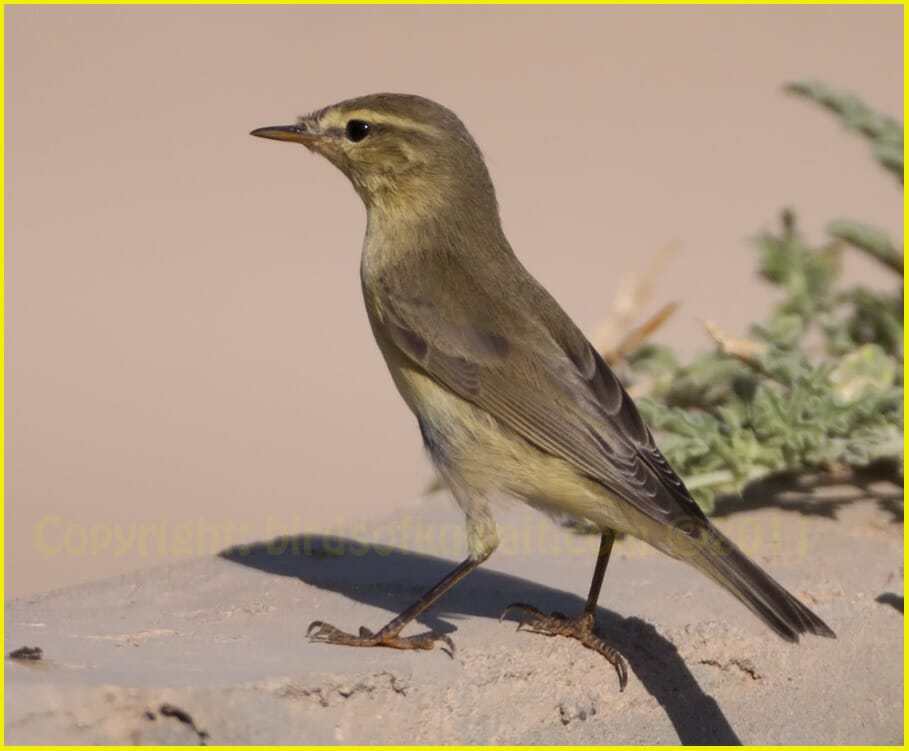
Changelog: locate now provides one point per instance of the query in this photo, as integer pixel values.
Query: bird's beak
(295, 133)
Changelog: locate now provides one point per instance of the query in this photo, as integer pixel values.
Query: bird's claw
(580, 628)
(319, 631)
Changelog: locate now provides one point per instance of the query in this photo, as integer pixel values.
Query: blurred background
(188, 359)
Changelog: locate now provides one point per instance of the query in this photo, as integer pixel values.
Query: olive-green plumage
(509, 394)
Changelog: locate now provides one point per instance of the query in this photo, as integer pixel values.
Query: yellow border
(458, 2)
(342, 2)
(3, 372)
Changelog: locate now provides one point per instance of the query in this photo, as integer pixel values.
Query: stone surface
(213, 649)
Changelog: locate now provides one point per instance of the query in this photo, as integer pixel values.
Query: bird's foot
(324, 632)
(580, 628)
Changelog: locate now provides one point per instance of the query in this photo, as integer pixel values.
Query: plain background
(186, 344)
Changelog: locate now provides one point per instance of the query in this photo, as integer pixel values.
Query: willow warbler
(509, 395)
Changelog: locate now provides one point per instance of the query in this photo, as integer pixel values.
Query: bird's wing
(554, 390)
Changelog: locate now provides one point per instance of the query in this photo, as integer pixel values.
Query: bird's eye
(356, 130)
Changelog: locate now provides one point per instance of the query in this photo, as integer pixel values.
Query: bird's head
(401, 152)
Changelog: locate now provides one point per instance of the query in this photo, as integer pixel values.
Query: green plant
(818, 385)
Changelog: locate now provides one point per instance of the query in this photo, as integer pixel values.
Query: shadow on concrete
(391, 578)
(820, 495)
(892, 599)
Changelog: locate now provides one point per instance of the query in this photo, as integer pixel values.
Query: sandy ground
(213, 649)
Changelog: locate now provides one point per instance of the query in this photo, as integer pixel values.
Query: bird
(509, 395)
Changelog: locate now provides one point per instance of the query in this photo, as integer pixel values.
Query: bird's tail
(723, 562)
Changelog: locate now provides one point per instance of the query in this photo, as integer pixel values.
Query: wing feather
(555, 391)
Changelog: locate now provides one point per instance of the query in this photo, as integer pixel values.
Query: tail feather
(723, 562)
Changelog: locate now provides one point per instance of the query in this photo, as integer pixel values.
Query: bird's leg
(581, 628)
(389, 635)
